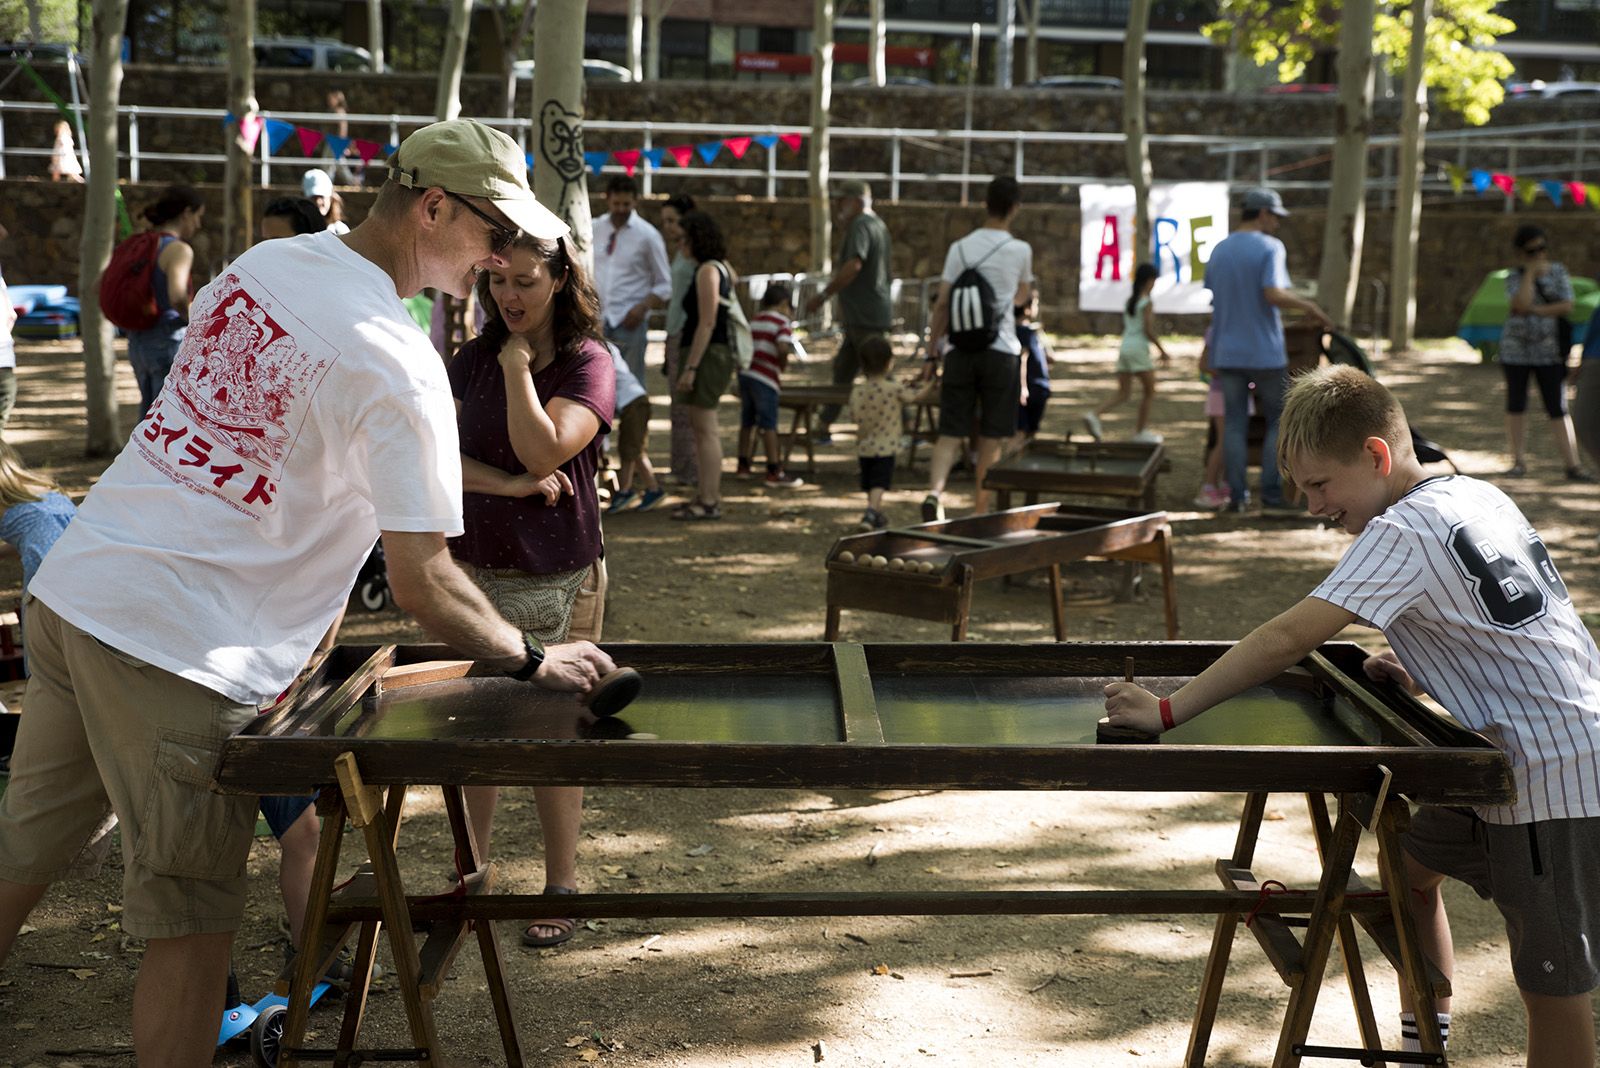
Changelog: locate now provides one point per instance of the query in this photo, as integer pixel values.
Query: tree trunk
(1133, 125)
(447, 102)
(821, 98)
(108, 21)
(238, 188)
(656, 11)
(1005, 43)
(1347, 203)
(35, 26)
(510, 50)
(877, 63)
(635, 39)
(1031, 50)
(560, 179)
(375, 33)
(1408, 204)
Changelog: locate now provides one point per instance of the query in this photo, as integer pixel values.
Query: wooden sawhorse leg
(1205, 1013)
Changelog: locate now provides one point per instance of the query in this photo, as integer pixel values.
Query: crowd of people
(163, 614)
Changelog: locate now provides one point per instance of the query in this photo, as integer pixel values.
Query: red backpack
(127, 297)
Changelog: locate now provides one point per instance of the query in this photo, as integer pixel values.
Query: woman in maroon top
(534, 393)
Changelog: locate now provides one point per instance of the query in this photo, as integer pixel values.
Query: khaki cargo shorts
(106, 739)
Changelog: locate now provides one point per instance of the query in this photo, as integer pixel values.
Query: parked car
(594, 70)
(1300, 89)
(311, 53)
(1540, 90)
(1096, 82)
(37, 53)
(903, 81)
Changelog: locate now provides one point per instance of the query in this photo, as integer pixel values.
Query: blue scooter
(263, 1021)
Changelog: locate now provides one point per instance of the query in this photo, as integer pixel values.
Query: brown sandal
(564, 928)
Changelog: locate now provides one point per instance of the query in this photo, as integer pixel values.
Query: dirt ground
(716, 993)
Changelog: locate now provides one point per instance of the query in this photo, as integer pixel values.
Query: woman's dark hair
(1146, 272)
(301, 212)
(575, 313)
(175, 200)
(1527, 234)
(703, 237)
(683, 204)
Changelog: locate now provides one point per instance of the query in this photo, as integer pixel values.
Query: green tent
(1487, 310)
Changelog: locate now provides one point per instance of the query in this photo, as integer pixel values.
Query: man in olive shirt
(862, 282)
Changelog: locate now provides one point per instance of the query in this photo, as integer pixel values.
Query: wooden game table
(805, 400)
(929, 570)
(820, 716)
(1126, 470)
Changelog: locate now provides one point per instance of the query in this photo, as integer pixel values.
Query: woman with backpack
(175, 218)
(708, 363)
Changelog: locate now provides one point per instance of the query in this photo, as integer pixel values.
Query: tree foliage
(58, 20)
(1463, 67)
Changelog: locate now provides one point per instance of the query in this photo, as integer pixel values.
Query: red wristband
(1166, 713)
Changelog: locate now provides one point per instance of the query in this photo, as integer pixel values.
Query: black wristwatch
(535, 650)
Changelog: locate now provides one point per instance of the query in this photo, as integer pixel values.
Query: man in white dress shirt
(630, 270)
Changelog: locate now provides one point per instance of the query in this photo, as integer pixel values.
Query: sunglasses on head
(500, 235)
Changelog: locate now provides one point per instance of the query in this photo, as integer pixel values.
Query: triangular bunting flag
(249, 133)
(529, 158)
(309, 139)
(1527, 189)
(337, 145)
(1554, 191)
(227, 118)
(595, 161)
(1579, 193)
(708, 150)
(278, 132)
(682, 154)
(1480, 181)
(653, 156)
(629, 158)
(1503, 182)
(738, 146)
(366, 150)
(766, 141)
(792, 140)
(1594, 194)
(1457, 176)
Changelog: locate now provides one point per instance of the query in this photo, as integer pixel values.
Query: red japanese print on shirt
(236, 396)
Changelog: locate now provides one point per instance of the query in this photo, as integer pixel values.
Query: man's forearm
(445, 603)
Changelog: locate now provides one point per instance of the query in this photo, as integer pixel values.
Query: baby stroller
(1339, 348)
(372, 581)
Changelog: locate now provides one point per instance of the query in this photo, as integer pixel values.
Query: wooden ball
(897, 564)
(880, 561)
(926, 567)
(847, 557)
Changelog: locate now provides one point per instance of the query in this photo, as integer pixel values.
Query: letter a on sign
(1110, 248)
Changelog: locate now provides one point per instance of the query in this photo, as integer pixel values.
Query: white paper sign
(1187, 220)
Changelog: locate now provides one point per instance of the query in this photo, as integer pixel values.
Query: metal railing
(1563, 148)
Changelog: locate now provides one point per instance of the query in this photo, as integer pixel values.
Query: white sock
(1409, 1043)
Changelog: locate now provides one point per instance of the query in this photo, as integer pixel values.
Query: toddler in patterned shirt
(877, 403)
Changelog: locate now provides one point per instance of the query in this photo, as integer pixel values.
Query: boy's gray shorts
(1542, 877)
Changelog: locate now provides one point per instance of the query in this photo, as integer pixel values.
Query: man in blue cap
(1248, 277)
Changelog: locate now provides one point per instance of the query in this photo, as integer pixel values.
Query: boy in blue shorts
(1477, 615)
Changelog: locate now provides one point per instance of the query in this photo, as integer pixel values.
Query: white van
(311, 53)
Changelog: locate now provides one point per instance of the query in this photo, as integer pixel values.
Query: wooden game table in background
(1050, 469)
(805, 400)
(930, 569)
(900, 716)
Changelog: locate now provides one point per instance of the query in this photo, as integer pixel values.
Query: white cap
(465, 157)
(316, 183)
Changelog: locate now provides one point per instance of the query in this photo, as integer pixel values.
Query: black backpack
(973, 322)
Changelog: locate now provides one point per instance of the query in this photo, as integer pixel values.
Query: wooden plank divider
(858, 706)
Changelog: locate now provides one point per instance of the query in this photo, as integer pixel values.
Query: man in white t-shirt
(8, 349)
(982, 367)
(630, 271)
(304, 414)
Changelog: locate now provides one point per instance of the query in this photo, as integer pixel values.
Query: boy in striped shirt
(773, 340)
(1477, 615)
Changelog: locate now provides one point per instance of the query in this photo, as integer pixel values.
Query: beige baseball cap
(470, 159)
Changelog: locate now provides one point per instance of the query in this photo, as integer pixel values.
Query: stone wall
(1457, 248)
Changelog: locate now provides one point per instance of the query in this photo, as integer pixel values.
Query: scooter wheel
(374, 595)
(266, 1035)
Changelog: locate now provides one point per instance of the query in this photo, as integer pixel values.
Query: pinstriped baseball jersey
(1462, 586)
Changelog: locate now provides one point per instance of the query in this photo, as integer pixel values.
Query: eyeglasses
(1534, 250)
(500, 235)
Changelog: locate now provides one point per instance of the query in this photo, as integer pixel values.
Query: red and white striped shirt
(767, 331)
(1462, 586)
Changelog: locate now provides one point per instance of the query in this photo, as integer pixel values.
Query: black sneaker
(1578, 474)
(932, 509)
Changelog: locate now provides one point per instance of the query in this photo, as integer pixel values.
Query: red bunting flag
(1579, 193)
(629, 158)
(249, 132)
(366, 150)
(738, 146)
(682, 154)
(792, 140)
(309, 139)
(1503, 182)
